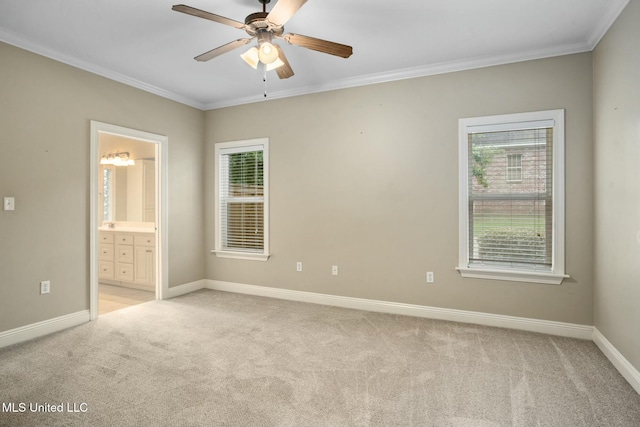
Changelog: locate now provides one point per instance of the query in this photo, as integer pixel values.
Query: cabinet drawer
(105, 270)
(125, 272)
(125, 253)
(105, 237)
(106, 252)
(124, 239)
(145, 240)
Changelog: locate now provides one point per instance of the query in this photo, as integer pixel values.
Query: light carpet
(213, 358)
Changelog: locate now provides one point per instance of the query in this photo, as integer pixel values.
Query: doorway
(128, 217)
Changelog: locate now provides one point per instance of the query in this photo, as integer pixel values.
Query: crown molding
(24, 43)
(606, 21)
(410, 73)
(609, 16)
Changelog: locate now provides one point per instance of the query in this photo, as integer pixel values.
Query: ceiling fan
(265, 27)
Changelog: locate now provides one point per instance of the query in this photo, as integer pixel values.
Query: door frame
(162, 253)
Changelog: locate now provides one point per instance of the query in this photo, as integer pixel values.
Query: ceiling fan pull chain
(264, 79)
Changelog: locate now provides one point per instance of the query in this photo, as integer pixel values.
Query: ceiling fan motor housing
(257, 23)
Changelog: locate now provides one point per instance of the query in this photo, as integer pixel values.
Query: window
(242, 199)
(514, 167)
(512, 197)
(108, 201)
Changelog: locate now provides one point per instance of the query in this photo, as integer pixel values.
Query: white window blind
(510, 221)
(512, 197)
(242, 199)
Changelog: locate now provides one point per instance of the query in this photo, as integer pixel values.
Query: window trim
(504, 122)
(241, 145)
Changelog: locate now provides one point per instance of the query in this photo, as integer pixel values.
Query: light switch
(9, 204)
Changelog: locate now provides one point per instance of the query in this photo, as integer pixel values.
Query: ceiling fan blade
(319, 45)
(284, 71)
(284, 10)
(222, 49)
(207, 15)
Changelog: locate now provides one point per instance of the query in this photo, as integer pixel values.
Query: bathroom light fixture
(117, 159)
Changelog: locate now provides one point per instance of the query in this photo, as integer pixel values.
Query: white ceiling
(145, 44)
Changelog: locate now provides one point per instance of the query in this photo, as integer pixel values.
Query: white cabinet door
(144, 265)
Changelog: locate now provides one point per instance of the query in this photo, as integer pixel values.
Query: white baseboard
(25, 333)
(626, 369)
(45, 327)
(487, 319)
(176, 291)
(631, 374)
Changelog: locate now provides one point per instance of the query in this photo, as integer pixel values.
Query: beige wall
(367, 178)
(45, 113)
(617, 184)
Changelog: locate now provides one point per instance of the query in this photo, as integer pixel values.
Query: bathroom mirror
(127, 193)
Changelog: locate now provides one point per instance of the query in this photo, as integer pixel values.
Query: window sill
(513, 275)
(241, 255)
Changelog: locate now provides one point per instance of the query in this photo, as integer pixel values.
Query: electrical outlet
(430, 278)
(9, 204)
(299, 266)
(45, 287)
(334, 270)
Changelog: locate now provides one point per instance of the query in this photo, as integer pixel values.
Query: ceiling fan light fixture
(251, 57)
(275, 64)
(267, 53)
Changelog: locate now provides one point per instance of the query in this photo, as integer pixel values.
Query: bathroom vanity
(127, 257)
